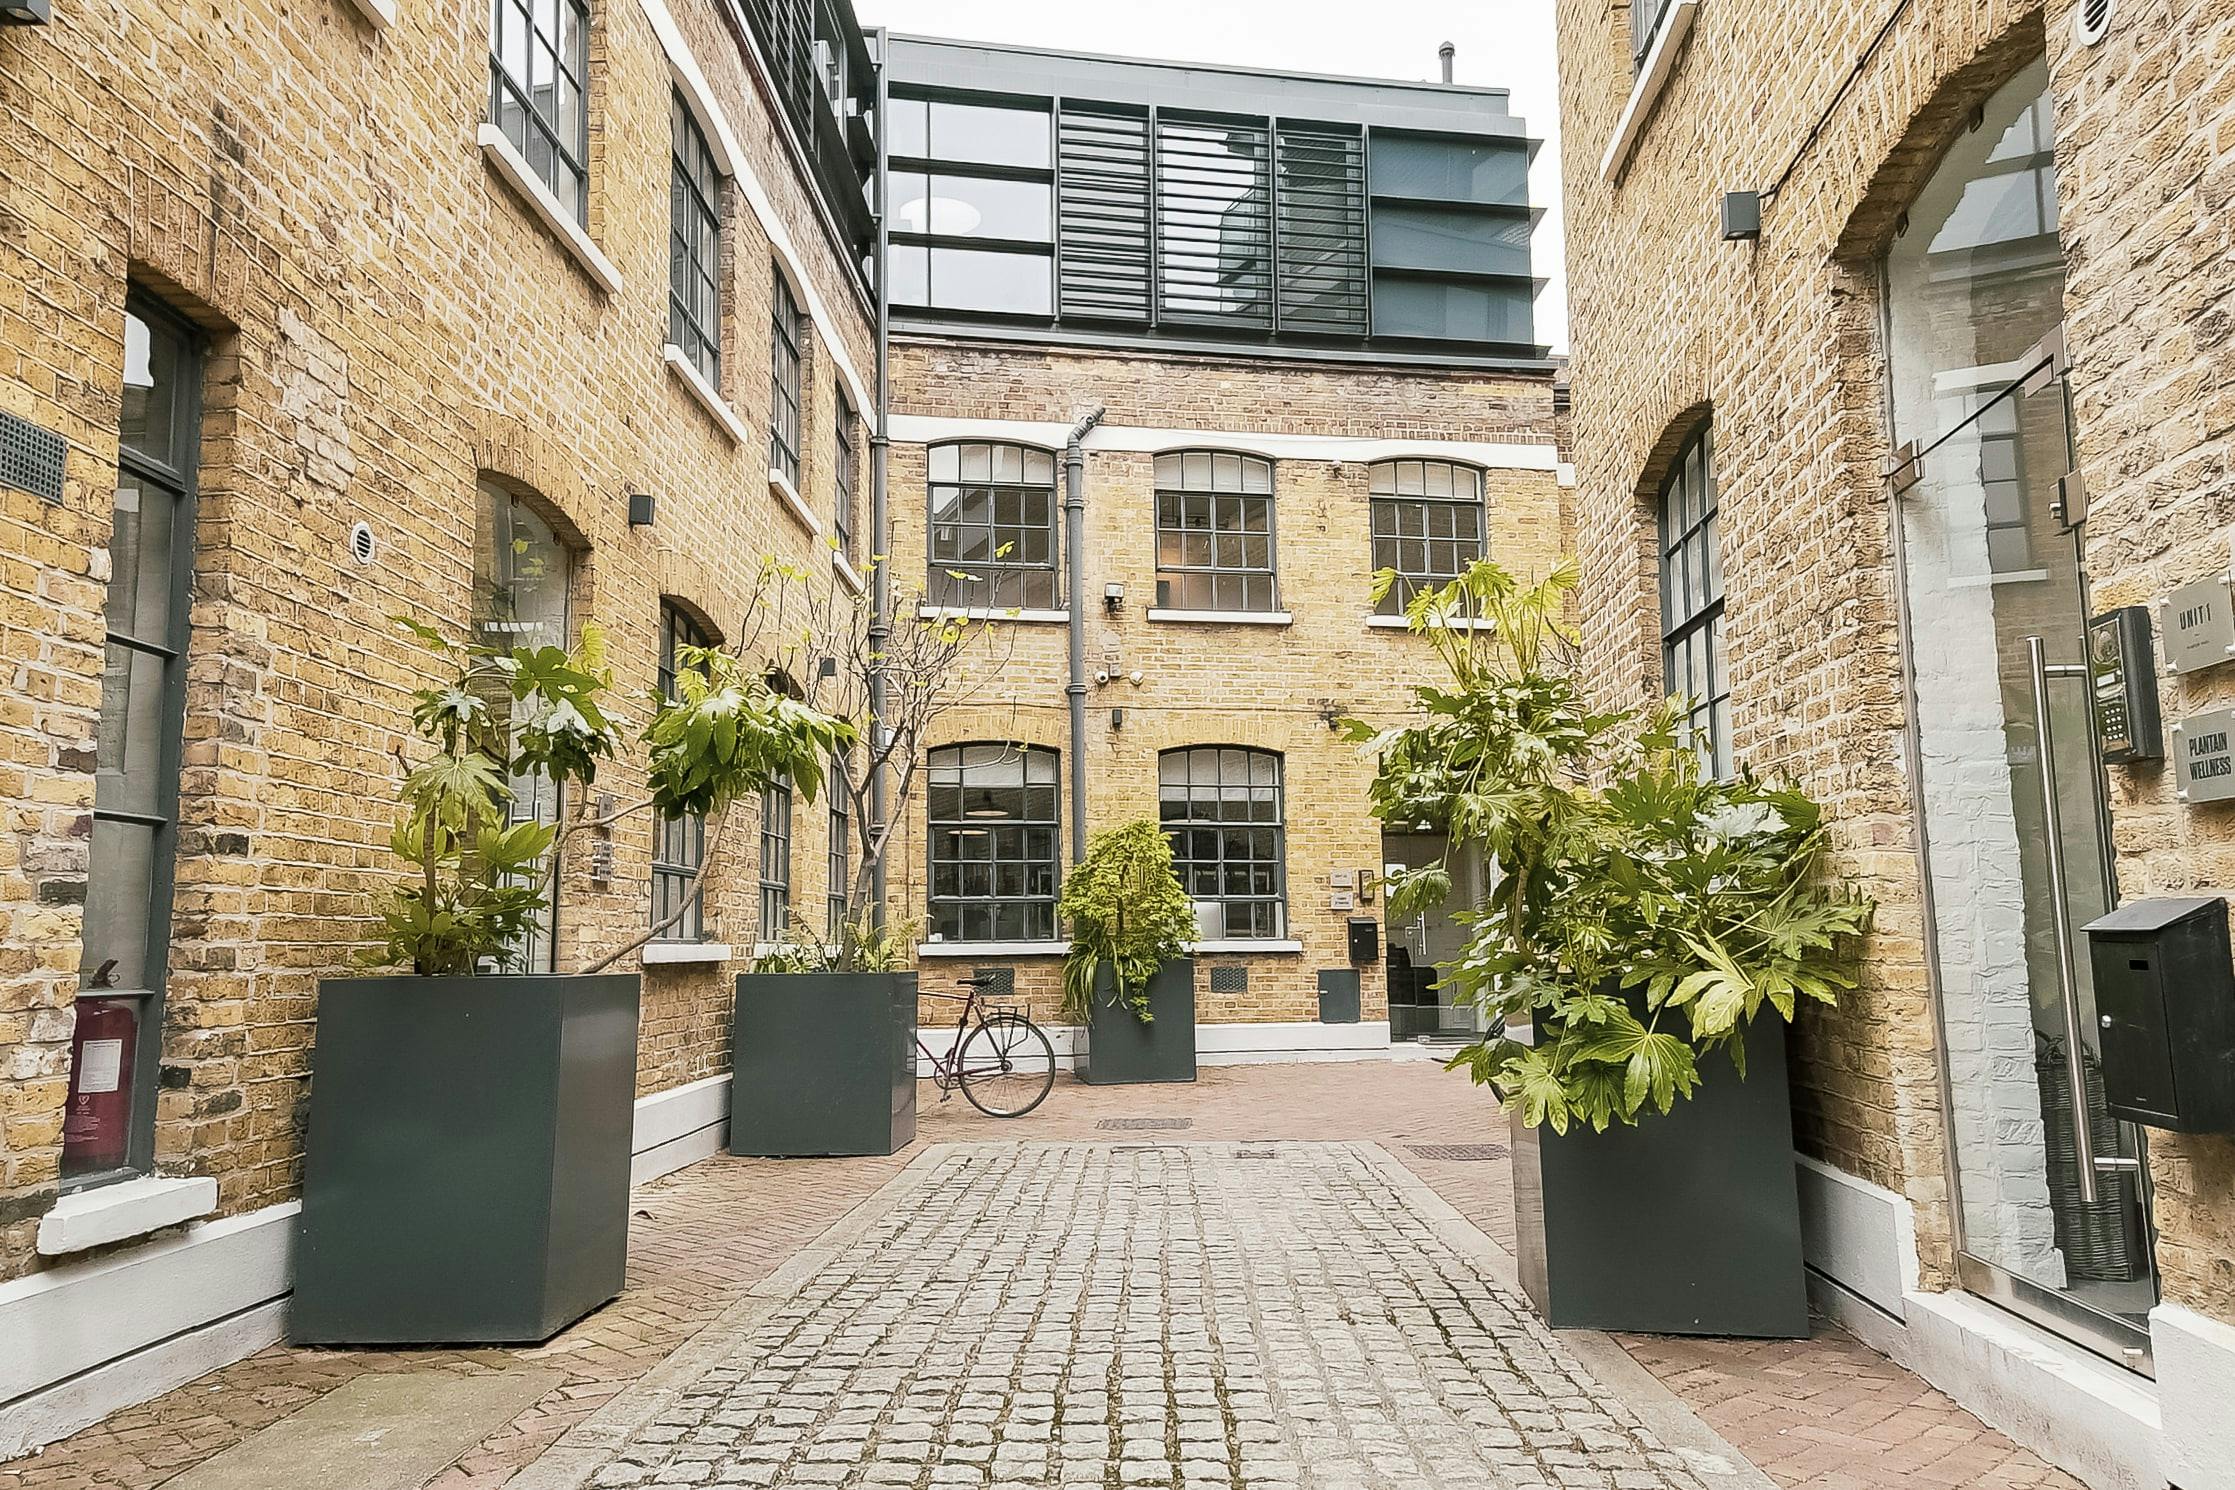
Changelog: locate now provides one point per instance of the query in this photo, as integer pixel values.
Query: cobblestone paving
(1119, 1315)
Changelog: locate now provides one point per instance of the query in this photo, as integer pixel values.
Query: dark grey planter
(466, 1169)
(823, 1064)
(1687, 1224)
(1118, 1048)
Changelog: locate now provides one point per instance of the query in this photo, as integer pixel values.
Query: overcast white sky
(1502, 44)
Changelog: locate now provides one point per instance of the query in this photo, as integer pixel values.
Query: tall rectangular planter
(1688, 1224)
(1118, 1048)
(823, 1064)
(466, 1170)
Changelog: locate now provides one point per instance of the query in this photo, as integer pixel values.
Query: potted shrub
(467, 1156)
(1128, 983)
(1645, 937)
(823, 1038)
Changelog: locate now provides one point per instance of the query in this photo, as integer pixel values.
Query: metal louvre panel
(1214, 225)
(1102, 206)
(1322, 221)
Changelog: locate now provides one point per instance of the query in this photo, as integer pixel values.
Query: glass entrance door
(1419, 1007)
(2051, 1199)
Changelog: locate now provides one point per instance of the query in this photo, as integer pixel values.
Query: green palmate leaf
(1127, 913)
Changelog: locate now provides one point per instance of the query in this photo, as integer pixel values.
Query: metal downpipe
(1074, 550)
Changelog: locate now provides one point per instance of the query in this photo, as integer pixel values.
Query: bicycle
(1003, 1063)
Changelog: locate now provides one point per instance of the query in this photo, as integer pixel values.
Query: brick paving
(1824, 1414)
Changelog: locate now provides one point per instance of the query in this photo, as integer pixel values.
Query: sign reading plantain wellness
(2204, 754)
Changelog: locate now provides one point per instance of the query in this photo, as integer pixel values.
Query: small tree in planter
(1642, 924)
(824, 1038)
(468, 1154)
(1127, 981)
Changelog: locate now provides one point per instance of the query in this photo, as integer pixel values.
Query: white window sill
(115, 1213)
(992, 949)
(382, 13)
(847, 574)
(498, 151)
(988, 613)
(1652, 79)
(668, 954)
(1251, 944)
(1454, 623)
(679, 363)
(781, 486)
(1224, 617)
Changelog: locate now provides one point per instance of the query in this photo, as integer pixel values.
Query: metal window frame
(991, 572)
(1159, 491)
(573, 157)
(937, 827)
(678, 843)
(932, 164)
(846, 477)
(776, 860)
(837, 854)
(786, 361)
(181, 480)
(1408, 584)
(1217, 794)
(694, 243)
(1679, 630)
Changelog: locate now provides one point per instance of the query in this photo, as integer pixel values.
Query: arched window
(993, 813)
(1214, 532)
(1692, 602)
(678, 843)
(1221, 807)
(1428, 524)
(992, 526)
(522, 576)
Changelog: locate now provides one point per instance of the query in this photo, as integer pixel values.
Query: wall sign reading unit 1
(2199, 625)
(2204, 756)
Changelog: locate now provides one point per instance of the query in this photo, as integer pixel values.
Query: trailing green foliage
(1128, 913)
(863, 946)
(496, 717)
(1636, 915)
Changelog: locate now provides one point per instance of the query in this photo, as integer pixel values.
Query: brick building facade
(368, 326)
(1962, 391)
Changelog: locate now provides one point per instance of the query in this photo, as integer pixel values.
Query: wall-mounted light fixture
(1113, 597)
(26, 12)
(1117, 719)
(1742, 216)
(640, 502)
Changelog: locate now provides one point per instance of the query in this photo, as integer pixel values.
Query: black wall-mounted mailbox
(2165, 1003)
(1365, 940)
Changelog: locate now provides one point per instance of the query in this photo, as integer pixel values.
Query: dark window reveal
(993, 819)
(1221, 808)
(1692, 603)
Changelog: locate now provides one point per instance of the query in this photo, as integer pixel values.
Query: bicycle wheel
(1007, 1066)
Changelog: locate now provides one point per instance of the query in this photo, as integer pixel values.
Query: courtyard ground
(1326, 1186)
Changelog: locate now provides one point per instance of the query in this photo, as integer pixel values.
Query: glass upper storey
(1047, 195)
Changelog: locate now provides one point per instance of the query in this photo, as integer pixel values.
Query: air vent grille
(31, 458)
(1000, 982)
(2092, 20)
(1233, 978)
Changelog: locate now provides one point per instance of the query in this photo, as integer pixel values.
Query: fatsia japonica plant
(498, 717)
(1128, 913)
(1637, 914)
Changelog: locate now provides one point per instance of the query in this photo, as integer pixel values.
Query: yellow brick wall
(1265, 687)
(387, 323)
(1781, 341)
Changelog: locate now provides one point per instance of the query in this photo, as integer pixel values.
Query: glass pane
(973, 207)
(1468, 242)
(1452, 310)
(97, 1122)
(129, 750)
(152, 359)
(988, 134)
(120, 887)
(1439, 169)
(141, 558)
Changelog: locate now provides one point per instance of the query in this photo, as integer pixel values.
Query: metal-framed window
(776, 861)
(972, 184)
(783, 376)
(1428, 524)
(678, 843)
(848, 478)
(538, 91)
(992, 525)
(1692, 665)
(522, 577)
(994, 812)
(108, 1124)
(838, 861)
(1221, 808)
(1645, 24)
(1214, 532)
(694, 247)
